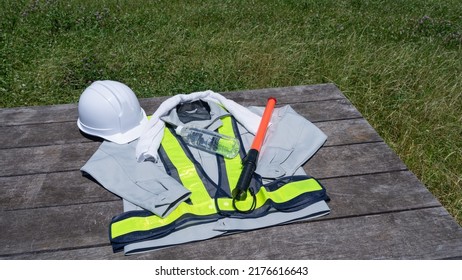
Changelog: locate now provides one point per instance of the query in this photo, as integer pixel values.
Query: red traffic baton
(250, 161)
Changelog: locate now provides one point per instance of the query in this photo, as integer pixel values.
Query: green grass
(399, 62)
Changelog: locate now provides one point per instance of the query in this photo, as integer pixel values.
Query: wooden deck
(379, 208)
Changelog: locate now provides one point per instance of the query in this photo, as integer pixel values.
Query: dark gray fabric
(193, 111)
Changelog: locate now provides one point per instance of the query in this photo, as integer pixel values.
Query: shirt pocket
(271, 164)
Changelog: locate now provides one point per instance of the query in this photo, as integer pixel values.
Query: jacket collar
(216, 113)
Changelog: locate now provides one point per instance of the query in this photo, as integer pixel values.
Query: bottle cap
(178, 129)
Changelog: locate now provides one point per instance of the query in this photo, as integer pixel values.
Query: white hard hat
(110, 110)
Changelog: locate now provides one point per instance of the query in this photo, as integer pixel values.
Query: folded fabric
(142, 183)
(151, 138)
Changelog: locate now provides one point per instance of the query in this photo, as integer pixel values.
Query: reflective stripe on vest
(286, 194)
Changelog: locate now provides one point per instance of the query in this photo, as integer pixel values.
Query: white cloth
(151, 138)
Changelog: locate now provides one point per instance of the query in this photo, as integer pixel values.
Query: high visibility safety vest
(210, 201)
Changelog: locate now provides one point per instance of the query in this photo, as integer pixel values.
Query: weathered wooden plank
(51, 228)
(38, 114)
(348, 131)
(68, 112)
(397, 235)
(67, 133)
(50, 189)
(58, 113)
(400, 235)
(31, 135)
(377, 193)
(45, 159)
(351, 196)
(327, 110)
(328, 162)
(94, 253)
(59, 188)
(337, 161)
(369, 193)
(50, 211)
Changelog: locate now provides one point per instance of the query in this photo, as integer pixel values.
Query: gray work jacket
(290, 141)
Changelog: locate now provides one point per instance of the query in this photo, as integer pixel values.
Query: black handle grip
(249, 166)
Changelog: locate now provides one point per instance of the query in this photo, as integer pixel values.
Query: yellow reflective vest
(288, 198)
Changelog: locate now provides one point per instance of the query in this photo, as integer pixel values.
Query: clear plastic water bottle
(209, 141)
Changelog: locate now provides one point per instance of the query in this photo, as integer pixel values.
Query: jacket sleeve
(144, 184)
(291, 140)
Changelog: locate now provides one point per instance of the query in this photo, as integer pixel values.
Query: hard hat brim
(119, 138)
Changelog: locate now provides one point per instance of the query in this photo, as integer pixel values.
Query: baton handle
(250, 161)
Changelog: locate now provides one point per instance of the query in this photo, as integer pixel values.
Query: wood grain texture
(351, 197)
(38, 114)
(398, 235)
(50, 190)
(45, 159)
(348, 131)
(376, 193)
(52, 228)
(328, 162)
(349, 160)
(41, 190)
(68, 112)
(65, 132)
(380, 210)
